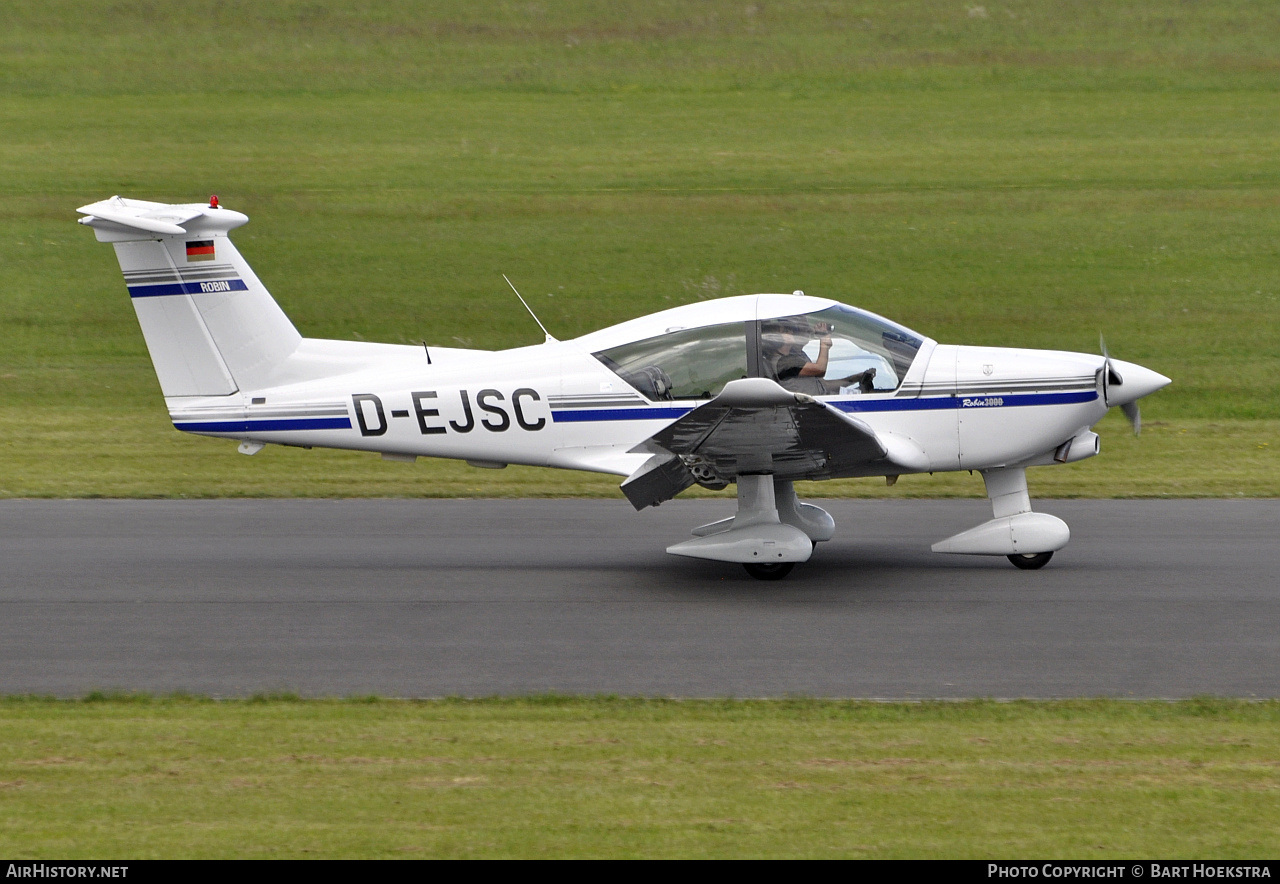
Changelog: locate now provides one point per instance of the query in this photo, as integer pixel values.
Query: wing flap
(660, 478)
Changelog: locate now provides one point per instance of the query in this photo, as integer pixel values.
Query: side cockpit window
(837, 351)
(692, 363)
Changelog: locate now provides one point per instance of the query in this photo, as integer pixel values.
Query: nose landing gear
(1015, 527)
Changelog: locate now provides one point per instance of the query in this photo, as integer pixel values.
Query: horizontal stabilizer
(118, 219)
(150, 222)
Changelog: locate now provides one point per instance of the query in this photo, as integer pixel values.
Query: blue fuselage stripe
(927, 403)
(265, 426)
(618, 414)
(930, 403)
(188, 288)
(985, 400)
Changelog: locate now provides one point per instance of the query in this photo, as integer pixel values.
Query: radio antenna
(550, 340)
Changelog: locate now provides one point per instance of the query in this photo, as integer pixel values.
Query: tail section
(210, 325)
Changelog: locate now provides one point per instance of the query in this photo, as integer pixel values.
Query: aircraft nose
(1136, 382)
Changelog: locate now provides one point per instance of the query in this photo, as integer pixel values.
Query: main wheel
(769, 570)
(1031, 561)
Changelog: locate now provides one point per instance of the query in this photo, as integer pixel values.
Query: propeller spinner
(1116, 392)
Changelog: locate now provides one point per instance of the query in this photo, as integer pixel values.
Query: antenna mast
(550, 340)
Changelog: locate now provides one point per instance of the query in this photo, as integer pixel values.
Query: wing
(756, 426)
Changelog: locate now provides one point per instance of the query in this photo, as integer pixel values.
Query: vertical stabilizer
(210, 325)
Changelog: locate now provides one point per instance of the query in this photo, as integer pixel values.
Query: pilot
(784, 343)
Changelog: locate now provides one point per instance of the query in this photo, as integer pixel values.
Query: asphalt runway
(439, 597)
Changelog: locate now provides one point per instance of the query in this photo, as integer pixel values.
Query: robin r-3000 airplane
(757, 390)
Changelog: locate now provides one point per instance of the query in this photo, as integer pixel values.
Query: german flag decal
(200, 250)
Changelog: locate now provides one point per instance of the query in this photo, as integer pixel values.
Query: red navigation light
(213, 201)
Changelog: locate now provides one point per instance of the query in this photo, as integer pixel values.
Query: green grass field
(1011, 174)
(601, 777)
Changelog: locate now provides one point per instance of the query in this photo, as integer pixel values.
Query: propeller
(1109, 378)
(1134, 414)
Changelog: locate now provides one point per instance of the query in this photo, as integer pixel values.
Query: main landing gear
(1030, 561)
(771, 532)
(777, 570)
(769, 571)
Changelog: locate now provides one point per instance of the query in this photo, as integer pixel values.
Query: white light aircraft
(757, 390)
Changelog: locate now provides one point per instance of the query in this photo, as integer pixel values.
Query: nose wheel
(769, 570)
(1030, 561)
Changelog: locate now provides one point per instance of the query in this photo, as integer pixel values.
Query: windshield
(837, 351)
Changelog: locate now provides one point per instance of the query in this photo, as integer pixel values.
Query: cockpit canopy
(836, 351)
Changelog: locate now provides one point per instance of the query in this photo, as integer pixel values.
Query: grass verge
(545, 776)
